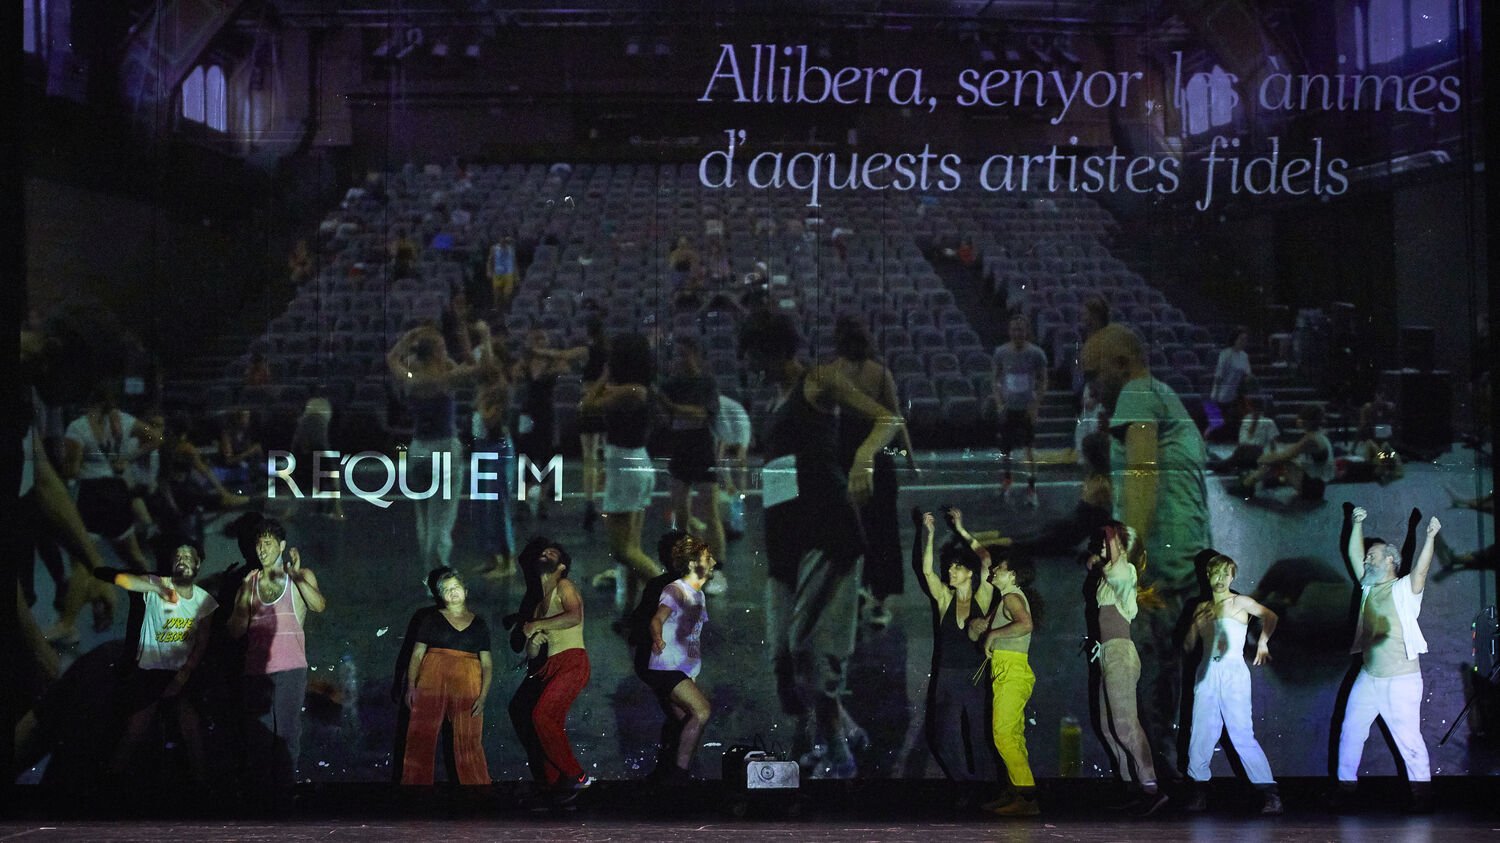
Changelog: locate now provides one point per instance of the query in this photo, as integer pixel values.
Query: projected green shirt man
(1157, 459)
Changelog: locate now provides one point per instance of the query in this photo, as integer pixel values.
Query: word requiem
(439, 474)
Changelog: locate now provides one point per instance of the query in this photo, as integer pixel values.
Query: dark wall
(1440, 283)
(175, 283)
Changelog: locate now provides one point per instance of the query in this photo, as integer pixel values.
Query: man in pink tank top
(269, 610)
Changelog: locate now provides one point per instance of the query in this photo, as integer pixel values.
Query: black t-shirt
(694, 391)
(436, 631)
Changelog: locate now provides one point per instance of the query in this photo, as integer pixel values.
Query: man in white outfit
(1389, 684)
(1221, 692)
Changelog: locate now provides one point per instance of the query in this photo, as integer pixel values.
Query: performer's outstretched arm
(1424, 559)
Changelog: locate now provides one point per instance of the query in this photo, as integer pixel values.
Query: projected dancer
(883, 575)
(813, 537)
(1157, 460)
(623, 396)
(557, 670)
(692, 400)
(1020, 384)
(1221, 691)
(420, 364)
(1389, 684)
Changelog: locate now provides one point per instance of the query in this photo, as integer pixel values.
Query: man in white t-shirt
(1389, 642)
(676, 656)
(174, 639)
(1019, 379)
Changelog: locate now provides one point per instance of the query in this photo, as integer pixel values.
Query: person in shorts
(1020, 381)
(670, 657)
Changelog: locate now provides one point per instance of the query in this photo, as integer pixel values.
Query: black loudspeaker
(1483, 682)
(1424, 406)
(1417, 343)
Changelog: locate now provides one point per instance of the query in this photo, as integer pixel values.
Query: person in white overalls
(1221, 691)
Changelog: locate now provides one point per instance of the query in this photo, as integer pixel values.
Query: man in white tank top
(269, 610)
(1221, 693)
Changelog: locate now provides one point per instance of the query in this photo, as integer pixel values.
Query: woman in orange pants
(449, 676)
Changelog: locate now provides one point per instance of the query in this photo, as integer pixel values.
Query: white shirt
(1263, 434)
(682, 630)
(732, 424)
(1229, 375)
(99, 455)
(170, 629)
(1408, 605)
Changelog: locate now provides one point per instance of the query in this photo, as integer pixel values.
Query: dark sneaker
(1150, 804)
(1021, 806)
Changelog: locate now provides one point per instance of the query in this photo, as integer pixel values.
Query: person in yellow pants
(1006, 634)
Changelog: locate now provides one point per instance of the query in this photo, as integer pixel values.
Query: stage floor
(373, 585)
(829, 811)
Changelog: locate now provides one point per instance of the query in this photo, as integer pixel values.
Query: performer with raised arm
(174, 639)
(1116, 557)
(957, 705)
(271, 606)
(1006, 636)
(1221, 693)
(814, 543)
(1386, 635)
(557, 671)
(1157, 460)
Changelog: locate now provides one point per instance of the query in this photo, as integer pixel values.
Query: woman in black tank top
(884, 574)
(537, 372)
(691, 398)
(958, 694)
(813, 540)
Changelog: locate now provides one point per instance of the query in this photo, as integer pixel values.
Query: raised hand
(1433, 526)
(1359, 515)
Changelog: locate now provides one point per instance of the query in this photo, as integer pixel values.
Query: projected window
(204, 96)
(215, 112)
(1210, 101)
(33, 25)
(1431, 21)
(1386, 30)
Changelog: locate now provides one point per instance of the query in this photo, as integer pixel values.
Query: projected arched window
(34, 25)
(204, 97)
(1210, 101)
(192, 95)
(215, 111)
